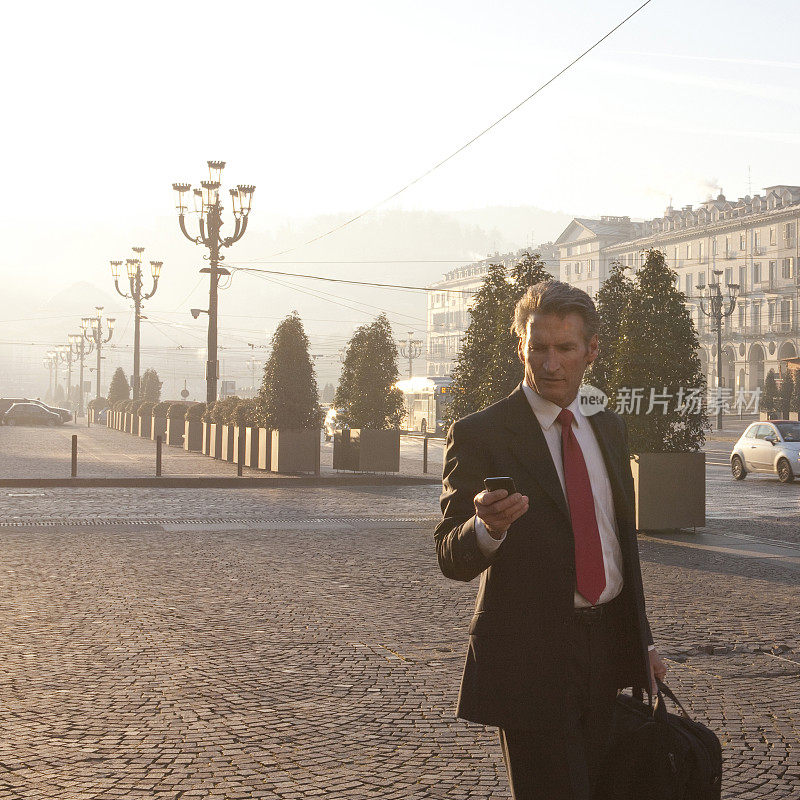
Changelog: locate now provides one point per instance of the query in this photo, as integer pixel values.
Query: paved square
(317, 653)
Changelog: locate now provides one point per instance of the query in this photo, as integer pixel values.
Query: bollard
(158, 456)
(88, 419)
(74, 472)
(240, 448)
(425, 454)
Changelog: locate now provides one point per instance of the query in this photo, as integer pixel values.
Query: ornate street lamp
(93, 332)
(82, 348)
(208, 206)
(410, 348)
(134, 270)
(718, 306)
(68, 356)
(51, 363)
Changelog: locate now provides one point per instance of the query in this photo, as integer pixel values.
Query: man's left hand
(658, 669)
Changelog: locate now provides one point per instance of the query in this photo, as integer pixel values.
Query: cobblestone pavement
(39, 452)
(322, 658)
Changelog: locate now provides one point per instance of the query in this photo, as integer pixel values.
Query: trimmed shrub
(223, 412)
(208, 412)
(160, 409)
(98, 404)
(177, 411)
(195, 411)
(246, 413)
(146, 409)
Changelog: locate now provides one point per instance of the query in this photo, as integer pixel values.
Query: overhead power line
(468, 143)
(354, 283)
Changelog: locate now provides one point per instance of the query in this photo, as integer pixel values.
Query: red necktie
(589, 571)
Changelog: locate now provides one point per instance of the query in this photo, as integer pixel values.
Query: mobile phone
(492, 484)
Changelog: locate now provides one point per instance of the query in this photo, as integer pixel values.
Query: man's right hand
(498, 510)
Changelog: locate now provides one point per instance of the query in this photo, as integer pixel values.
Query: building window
(687, 285)
(727, 245)
(772, 235)
(771, 312)
(741, 315)
(566, 269)
(755, 317)
(675, 256)
(787, 270)
(756, 239)
(700, 251)
(701, 279)
(743, 241)
(756, 273)
(688, 251)
(786, 313)
(742, 278)
(728, 276)
(788, 232)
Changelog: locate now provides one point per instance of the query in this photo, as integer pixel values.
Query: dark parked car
(6, 403)
(31, 414)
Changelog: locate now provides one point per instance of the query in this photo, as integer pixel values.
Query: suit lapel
(527, 443)
(610, 444)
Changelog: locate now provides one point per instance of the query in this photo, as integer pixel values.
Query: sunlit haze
(328, 109)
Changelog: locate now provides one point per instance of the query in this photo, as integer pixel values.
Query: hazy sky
(330, 107)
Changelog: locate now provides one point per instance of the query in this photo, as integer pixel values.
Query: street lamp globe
(155, 267)
(215, 171)
(133, 266)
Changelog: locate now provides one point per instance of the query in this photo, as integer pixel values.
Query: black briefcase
(656, 755)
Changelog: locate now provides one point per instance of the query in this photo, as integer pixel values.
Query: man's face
(555, 354)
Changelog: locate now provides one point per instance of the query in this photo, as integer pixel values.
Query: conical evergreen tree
(120, 388)
(612, 303)
(769, 394)
(367, 395)
(288, 395)
(786, 393)
(488, 368)
(657, 353)
(150, 391)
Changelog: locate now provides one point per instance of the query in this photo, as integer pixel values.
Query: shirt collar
(546, 412)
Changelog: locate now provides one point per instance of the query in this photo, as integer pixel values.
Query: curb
(218, 483)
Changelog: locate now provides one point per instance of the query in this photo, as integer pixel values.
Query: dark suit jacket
(513, 676)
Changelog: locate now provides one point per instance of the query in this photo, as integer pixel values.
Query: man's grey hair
(555, 297)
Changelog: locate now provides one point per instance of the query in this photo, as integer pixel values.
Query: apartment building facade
(753, 243)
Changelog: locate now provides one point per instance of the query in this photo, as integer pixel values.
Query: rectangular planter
(794, 416)
(264, 449)
(145, 424)
(175, 432)
(765, 416)
(158, 427)
(228, 442)
(239, 439)
(670, 490)
(365, 450)
(206, 438)
(215, 442)
(295, 451)
(251, 442)
(193, 435)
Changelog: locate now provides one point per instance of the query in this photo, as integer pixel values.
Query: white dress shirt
(546, 412)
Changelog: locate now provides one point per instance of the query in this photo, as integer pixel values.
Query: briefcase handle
(664, 690)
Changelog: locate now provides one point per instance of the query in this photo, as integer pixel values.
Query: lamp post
(134, 268)
(410, 348)
(208, 206)
(67, 355)
(94, 333)
(82, 349)
(49, 362)
(718, 306)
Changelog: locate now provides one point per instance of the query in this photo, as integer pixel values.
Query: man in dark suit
(559, 623)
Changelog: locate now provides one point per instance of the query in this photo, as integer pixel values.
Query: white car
(772, 447)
